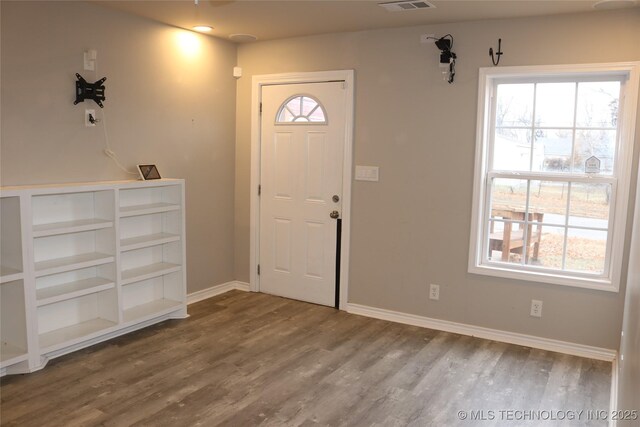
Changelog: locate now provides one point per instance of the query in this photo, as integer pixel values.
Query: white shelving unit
(11, 267)
(82, 263)
(14, 348)
(151, 251)
(13, 334)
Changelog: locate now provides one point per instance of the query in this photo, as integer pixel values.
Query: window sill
(598, 284)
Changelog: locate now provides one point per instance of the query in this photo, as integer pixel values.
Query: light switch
(367, 173)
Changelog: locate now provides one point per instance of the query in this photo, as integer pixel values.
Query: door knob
(334, 214)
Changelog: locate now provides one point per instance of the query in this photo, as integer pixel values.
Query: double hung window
(553, 166)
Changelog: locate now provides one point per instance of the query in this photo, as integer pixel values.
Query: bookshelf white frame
(83, 263)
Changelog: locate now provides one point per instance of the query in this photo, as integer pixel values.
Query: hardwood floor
(246, 359)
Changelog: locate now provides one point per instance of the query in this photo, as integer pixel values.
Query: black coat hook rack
(498, 53)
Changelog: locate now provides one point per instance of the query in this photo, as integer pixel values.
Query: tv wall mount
(86, 90)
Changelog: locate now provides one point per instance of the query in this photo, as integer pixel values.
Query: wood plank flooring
(245, 359)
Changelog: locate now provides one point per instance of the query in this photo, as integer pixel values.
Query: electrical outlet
(434, 292)
(427, 38)
(536, 308)
(87, 120)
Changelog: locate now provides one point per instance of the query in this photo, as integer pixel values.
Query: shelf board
(54, 228)
(76, 262)
(72, 290)
(148, 272)
(11, 354)
(8, 274)
(146, 241)
(64, 337)
(150, 309)
(148, 209)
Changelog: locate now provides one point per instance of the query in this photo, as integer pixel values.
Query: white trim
(615, 251)
(613, 399)
(486, 333)
(542, 277)
(217, 290)
(254, 229)
(42, 359)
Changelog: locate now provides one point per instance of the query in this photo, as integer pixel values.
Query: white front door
(301, 163)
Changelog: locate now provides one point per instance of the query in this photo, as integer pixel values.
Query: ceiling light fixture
(203, 28)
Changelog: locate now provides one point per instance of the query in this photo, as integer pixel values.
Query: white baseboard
(486, 333)
(217, 290)
(613, 400)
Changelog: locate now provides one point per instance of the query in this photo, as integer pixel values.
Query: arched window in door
(301, 109)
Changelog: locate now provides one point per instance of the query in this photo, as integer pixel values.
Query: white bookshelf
(14, 343)
(11, 265)
(13, 325)
(82, 263)
(151, 252)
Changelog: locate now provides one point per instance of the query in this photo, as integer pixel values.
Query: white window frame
(628, 72)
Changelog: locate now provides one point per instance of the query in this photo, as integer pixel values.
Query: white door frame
(256, 98)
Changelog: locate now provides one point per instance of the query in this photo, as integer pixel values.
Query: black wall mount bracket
(85, 90)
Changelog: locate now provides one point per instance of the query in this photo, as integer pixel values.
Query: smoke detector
(243, 38)
(403, 6)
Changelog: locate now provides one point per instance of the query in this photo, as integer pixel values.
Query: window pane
(590, 205)
(552, 150)
(597, 146)
(555, 104)
(586, 250)
(512, 150)
(505, 242)
(285, 116)
(294, 106)
(598, 104)
(514, 105)
(301, 109)
(308, 104)
(317, 115)
(550, 246)
(508, 198)
(549, 201)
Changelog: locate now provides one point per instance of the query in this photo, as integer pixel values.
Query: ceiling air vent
(401, 6)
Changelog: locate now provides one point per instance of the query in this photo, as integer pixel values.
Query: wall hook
(498, 53)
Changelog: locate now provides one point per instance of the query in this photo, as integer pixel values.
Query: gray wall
(179, 111)
(412, 228)
(163, 106)
(629, 368)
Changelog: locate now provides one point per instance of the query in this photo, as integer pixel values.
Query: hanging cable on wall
(94, 121)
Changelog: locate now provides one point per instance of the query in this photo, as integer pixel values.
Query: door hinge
(261, 108)
(259, 189)
(258, 269)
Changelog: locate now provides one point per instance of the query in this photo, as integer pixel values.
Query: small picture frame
(148, 172)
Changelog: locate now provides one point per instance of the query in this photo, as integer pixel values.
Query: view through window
(552, 173)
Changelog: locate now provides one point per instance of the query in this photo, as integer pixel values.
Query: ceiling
(279, 19)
